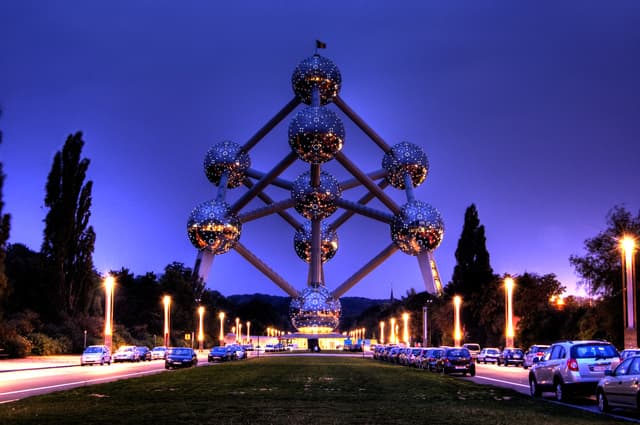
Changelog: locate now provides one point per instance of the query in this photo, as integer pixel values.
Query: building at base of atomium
(316, 136)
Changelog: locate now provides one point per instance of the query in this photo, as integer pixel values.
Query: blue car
(180, 357)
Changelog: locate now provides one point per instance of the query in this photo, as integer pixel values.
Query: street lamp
(239, 340)
(248, 328)
(109, 284)
(405, 332)
(508, 287)
(628, 246)
(201, 329)
(392, 337)
(167, 316)
(425, 324)
(237, 329)
(457, 334)
(221, 317)
(381, 332)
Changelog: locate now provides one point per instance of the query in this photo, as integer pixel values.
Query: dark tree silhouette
(4, 237)
(68, 238)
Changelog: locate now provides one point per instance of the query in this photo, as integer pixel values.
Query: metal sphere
(315, 310)
(316, 71)
(417, 228)
(230, 157)
(405, 158)
(328, 238)
(212, 227)
(316, 134)
(319, 202)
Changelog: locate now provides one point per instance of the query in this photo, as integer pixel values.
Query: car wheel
(525, 367)
(562, 394)
(533, 387)
(166, 366)
(102, 362)
(603, 404)
(498, 362)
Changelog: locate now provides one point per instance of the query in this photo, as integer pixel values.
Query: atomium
(226, 157)
(316, 202)
(405, 158)
(417, 228)
(315, 310)
(316, 134)
(212, 227)
(328, 241)
(316, 71)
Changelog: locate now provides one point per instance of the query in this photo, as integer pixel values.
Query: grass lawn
(293, 390)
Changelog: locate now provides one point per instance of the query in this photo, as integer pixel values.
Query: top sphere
(405, 158)
(316, 71)
(230, 157)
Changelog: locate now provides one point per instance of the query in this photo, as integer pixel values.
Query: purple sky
(529, 109)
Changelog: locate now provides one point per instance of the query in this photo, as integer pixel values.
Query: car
(221, 353)
(96, 354)
(126, 353)
(628, 352)
(144, 353)
(473, 348)
(533, 352)
(239, 350)
(159, 353)
(488, 355)
(572, 368)
(180, 357)
(510, 355)
(456, 360)
(431, 357)
(619, 388)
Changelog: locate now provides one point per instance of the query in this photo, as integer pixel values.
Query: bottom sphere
(315, 311)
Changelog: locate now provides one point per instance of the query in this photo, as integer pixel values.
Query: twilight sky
(529, 109)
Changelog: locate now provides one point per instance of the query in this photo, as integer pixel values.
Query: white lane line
(49, 387)
(502, 381)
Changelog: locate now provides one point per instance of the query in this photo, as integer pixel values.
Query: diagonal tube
(267, 200)
(364, 200)
(271, 124)
(365, 211)
(274, 207)
(360, 123)
(351, 183)
(278, 182)
(266, 270)
(365, 270)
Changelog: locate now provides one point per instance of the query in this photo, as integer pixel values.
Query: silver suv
(572, 367)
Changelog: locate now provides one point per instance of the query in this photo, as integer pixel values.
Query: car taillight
(572, 364)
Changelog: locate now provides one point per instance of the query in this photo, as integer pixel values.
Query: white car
(126, 353)
(159, 353)
(96, 354)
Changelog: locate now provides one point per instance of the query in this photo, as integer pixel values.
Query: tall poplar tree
(4, 237)
(68, 238)
(472, 276)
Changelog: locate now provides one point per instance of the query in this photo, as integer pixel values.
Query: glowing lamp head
(166, 300)
(221, 315)
(201, 310)
(628, 244)
(457, 300)
(508, 283)
(109, 283)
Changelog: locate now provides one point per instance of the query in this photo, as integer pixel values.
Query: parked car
(96, 354)
(629, 352)
(456, 360)
(431, 357)
(144, 353)
(473, 348)
(535, 351)
(221, 354)
(126, 353)
(488, 355)
(158, 353)
(239, 350)
(619, 388)
(180, 357)
(510, 355)
(572, 367)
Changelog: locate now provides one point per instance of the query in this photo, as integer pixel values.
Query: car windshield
(584, 351)
(180, 351)
(492, 351)
(93, 350)
(458, 352)
(474, 347)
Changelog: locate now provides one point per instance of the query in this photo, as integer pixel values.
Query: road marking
(502, 381)
(49, 387)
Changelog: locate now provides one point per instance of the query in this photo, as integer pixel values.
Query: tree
(4, 237)
(472, 275)
(68, 238)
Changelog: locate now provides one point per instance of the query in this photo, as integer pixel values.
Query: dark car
(514, 356)
(221, 354)
(144, 353)
(180, 357)
(456, 360)
(431, 357)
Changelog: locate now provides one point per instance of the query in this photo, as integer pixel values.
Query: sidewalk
(39, 362)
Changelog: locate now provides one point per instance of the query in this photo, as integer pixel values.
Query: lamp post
(381, 332)
(392, 337)
(237, 329)
(628, 246)
(201, 329)
(109, 284)
(239, 340)
(248, 329)
(405, 331)
(425, 324)
(167, 317)
(508, 288)
(221, 337)
(457, 334)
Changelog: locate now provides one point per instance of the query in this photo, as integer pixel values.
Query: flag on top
(320, 45)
